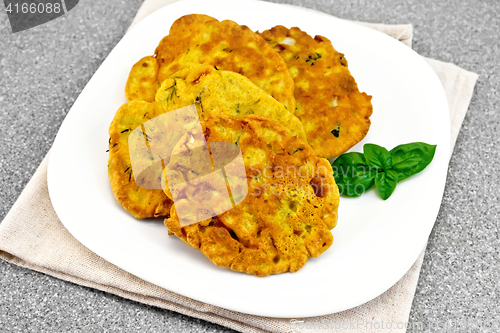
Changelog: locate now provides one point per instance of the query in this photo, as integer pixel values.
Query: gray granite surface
(43, 70)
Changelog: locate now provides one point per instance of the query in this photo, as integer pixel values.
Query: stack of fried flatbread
(285, 99)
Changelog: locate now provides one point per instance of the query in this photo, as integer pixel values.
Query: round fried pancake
(290, 208)
(335, 114)
(138, 201)
(201, 39)
(223, 92)
(213, 92)
(142, 82)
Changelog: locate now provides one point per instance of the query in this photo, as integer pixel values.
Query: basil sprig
(357, 172)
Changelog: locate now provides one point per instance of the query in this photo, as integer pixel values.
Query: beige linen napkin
(32, 236)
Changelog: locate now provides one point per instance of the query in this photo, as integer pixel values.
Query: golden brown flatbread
(335, 114)
(213, 92)
(138, 201)
(223, 92)
(142, 81)
(287, 215)
(201, 39)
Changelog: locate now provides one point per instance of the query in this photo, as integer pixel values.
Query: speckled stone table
(44, 69)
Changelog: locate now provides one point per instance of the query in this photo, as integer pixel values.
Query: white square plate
(376, 241)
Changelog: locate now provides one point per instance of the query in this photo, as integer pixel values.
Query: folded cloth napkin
(32, 236)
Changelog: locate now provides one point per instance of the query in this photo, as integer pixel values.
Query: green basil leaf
(352, 175)
(386, 182)
(411, 158)
(352, 159)
(355, 187)
(360, 184)
(377, 156)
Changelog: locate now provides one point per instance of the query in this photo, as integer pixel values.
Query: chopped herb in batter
(336, 131)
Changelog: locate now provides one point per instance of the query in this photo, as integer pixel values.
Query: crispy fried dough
(290, 208)
(213, 92)
(142, 83)
(138, 201)
(201, 39)
(334, 113)
(223, 92)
